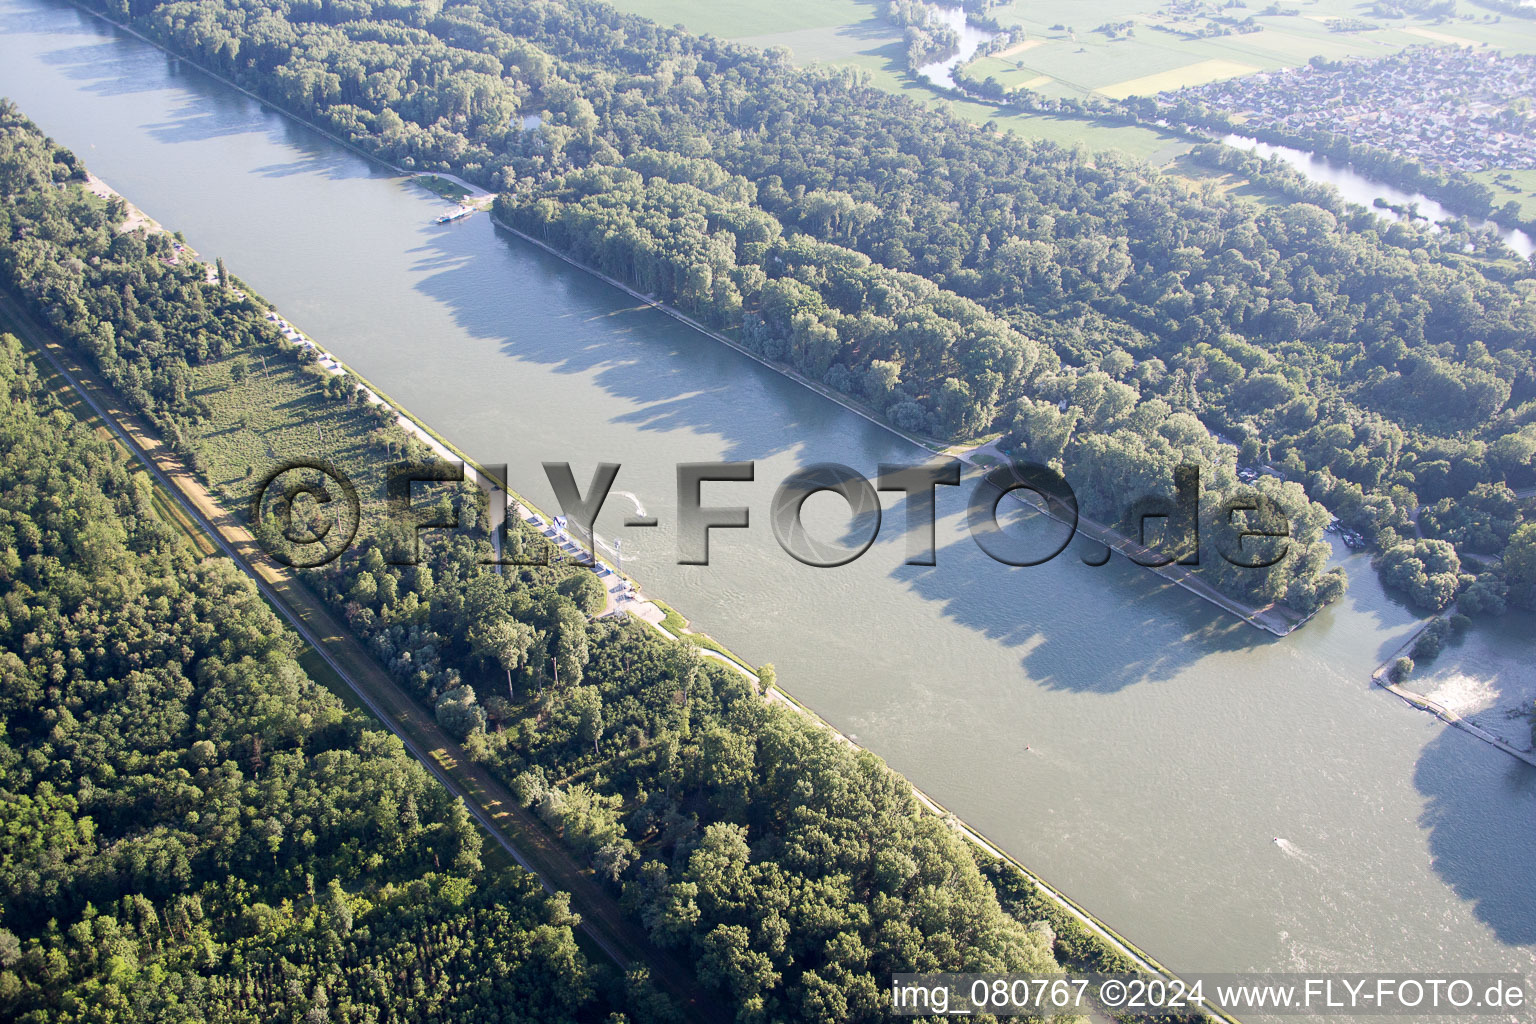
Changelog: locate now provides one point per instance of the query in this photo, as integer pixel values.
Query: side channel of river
(1357, 188)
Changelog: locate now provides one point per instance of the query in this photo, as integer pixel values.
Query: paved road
(491, 803)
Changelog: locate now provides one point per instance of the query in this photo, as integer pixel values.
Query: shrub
(1426, 647)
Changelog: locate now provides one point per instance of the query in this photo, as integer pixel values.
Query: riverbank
(1394, 202)
(1272, 618)
(1449, 196)
(1382, 677)
(1110, 939)
(504, 351)
(475, 196)
(518, 833)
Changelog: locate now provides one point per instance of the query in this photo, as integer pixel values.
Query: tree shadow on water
(316, 153)
(666, 376)
(1087, 629)
(100, 54)
(1480, 811)
(105, 69)
(1078, 628)
(209, 110)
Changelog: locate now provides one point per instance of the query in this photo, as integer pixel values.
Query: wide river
(1135, 746)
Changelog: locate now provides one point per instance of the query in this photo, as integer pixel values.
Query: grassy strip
(172, 513)
(318, 669)
(674, 623)
(1029, 898)
(450, 191)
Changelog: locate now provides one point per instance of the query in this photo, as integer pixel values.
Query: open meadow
(854, 33)
(1108, 48)
(755, 20)
(1120, 48)
(1518, 187)
(1065, 53)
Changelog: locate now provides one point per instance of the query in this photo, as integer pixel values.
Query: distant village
(1455, 109)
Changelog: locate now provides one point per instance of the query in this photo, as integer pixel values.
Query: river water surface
(941, 72)
(1132, 744)
(1357, 188)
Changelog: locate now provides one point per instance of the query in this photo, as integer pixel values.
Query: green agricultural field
(1063, 55)
(830, 31)
(744, 19)
(852, 33)
(1149, 144)
(1064, 46)
(1146, 143)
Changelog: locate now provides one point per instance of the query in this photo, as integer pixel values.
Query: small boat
(456, 213)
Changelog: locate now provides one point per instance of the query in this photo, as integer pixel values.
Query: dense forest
(795, 871)
(819, 306)
(193, 829)
(1121, 320)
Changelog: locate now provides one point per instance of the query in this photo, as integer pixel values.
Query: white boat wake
(1291, 850)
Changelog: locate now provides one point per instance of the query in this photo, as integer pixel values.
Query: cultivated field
(742, 19)
(1075, 59)
(1064, 55)
(853, 33)
(1190, 74)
